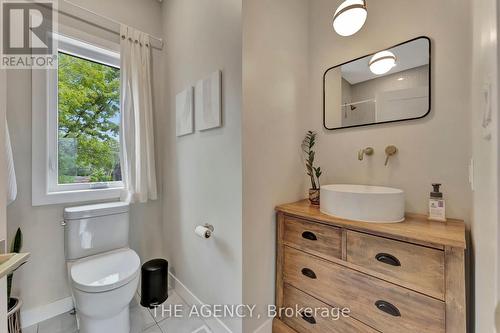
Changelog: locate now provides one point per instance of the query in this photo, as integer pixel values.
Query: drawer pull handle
(308, 317)
(388, 259)
(309, 273)
(388, 308)
(309, 235)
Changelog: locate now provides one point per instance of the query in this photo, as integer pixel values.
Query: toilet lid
(105, 272)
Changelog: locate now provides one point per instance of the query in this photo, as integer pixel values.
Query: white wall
(485, 229)
(203, 170)
(43, 279)
(434, 149)
(275, 117)
(339, 91)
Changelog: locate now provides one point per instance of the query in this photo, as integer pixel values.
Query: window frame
(46, 188)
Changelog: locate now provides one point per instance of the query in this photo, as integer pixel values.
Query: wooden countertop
(415, 228)
(9, 262)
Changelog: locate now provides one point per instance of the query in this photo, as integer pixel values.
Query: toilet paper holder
(204, 231)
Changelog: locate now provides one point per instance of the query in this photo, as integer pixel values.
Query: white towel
(11, 173)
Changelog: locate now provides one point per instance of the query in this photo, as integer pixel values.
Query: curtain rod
(88, 16)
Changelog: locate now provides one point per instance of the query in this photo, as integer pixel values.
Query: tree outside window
(89, 118)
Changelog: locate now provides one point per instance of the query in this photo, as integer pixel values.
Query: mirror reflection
(390, 85)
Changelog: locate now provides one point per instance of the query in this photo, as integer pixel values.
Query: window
(88, 121)
(82, 148)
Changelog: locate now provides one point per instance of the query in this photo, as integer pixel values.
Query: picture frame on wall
(184, 119)
(208, 104)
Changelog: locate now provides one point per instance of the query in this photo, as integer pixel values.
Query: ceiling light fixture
(350, 17)
(382, 62)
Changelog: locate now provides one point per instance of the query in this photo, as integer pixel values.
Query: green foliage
(17, 244)
(89, 106)
(67, 160)
(15, 247)
(307, 147)
(317, 173)
(63, 179)
(100, 175)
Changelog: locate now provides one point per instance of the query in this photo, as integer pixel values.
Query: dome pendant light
(382, 62)
(350, 17)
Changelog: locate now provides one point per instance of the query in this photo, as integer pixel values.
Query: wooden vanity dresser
(394, 278)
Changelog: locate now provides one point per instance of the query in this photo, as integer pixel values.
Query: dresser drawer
(417, 267)
(384, 306)
(318, 323)
(315, 238)
(281, 327)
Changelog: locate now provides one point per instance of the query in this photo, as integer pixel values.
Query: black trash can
(154, 282)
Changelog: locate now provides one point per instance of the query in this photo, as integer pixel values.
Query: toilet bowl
(103, 286)
(103, 272)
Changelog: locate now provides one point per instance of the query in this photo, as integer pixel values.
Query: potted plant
(14, 304)
(313, 172)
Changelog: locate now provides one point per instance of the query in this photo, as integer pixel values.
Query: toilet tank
(94, 229)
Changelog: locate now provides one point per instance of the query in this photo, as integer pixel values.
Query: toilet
(103, 272)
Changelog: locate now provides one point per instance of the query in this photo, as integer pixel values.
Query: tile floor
(142, 321)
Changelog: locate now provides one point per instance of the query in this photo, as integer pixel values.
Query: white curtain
(138, 160)
(11, 172)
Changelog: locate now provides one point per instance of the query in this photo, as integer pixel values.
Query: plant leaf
(18, 242)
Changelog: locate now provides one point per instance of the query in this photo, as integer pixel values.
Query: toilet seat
(105, 272)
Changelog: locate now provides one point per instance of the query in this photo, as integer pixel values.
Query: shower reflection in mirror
(389, 85)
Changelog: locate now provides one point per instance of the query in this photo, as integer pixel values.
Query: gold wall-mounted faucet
(367, 151)
(390, 151)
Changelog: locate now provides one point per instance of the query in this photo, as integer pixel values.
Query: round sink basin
(364, 203)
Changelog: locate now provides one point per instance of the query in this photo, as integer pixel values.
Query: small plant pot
(13, 315)
(314, 196)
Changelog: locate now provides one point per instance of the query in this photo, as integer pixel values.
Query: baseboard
(34, 316)
(215, 324)
(266, 327)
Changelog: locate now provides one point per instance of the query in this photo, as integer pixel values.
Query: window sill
(52, 198)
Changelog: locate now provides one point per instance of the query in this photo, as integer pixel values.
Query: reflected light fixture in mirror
(382, 62)
(350, 17)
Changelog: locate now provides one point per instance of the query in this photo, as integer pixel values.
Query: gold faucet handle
(367, 151)
(390, 151)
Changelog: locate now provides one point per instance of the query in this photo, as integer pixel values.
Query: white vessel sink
(375, 204)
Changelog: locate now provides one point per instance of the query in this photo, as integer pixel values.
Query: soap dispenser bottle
(437, 207)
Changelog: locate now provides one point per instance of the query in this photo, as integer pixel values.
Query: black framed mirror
(393, 84)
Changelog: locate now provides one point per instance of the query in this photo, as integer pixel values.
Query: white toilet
(103, 271)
